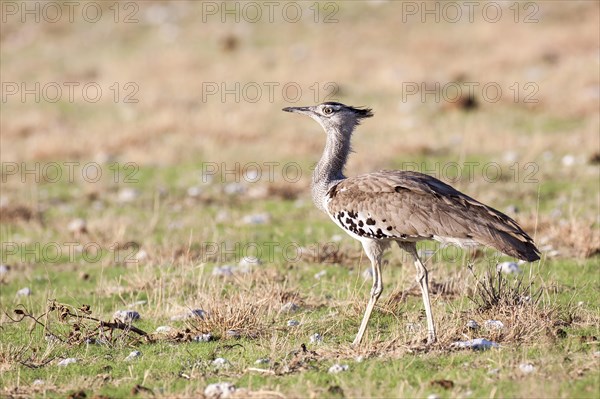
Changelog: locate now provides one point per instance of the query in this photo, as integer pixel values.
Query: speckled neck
(330, 168)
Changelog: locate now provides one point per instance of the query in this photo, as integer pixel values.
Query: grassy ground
(166, 213)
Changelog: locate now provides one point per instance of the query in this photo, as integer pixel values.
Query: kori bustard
(400, 206)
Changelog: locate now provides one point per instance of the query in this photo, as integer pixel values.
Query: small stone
(316, 338)
(359, 359)
(199, 313)
(293, 323)
(194, 191)
(526, 368)
(493, 371)
(126, 316)
(508, 268)
(568, 160)
(257, 218)
(51, 338)
(234, 189)
(263, 360)
(338, 368)
(220, 362)
(336, 238)
(133, 355)
(203, 338)
(493, 325)
(4, 269)
(222, 271)
(77, 226)
(320, 274)
(289, 307)
(597, 354)
(163, 329)
(24, 291)
(475, 344)
(219, 390)
(248, 262)
(38, 382)
(66, 362)
(127, 194)
(233, 333)
(433, 396)
(472, 324)
(141, 255)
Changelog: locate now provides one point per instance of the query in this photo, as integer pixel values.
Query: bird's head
(334, 116)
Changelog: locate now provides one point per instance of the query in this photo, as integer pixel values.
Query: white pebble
(338, 368)
(248, 262)
(293, 323)
(24, 291)
(38, 382)
(433, 396)
(203, 338)
(233, 333)
(66, 362)
(493, 325)
(493, 371)
(320, 274)
(133, 355)
(472, 324)
(4, 269)
(568, 160)
(289, 307)
(226, 270)
(475, 344)
(508, 268)
(526, 368)
(234, 188)
(126, 316)
(163, 329)
(194, 191)
(219, 390)
(77, 226)
(336, 238)
(199, 313)
(257, 218)
(316, 338)
(597, 354)
(359, 359)
(220, 362)
(127, 194)
(263, 360)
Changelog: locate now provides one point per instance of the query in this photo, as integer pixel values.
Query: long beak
(299, 110)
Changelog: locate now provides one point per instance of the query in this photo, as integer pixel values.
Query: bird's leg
(374, 253)
(422, 279)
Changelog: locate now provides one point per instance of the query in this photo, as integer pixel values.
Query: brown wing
(411, 205)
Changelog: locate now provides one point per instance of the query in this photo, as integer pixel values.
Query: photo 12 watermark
(470, 11)
(69, 11)
(71, 92)
(69, 172)
(452, 92)
(323, 12)
(271, 92)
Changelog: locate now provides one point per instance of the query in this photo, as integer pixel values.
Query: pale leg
(422, 279)
(374, 251)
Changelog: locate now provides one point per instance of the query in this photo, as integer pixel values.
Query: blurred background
(171, 86)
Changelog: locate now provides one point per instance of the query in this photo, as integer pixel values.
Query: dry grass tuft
(236, 316)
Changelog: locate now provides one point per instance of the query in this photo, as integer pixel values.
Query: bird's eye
(327, 111)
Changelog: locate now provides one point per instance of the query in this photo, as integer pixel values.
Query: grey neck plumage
(330, 168)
